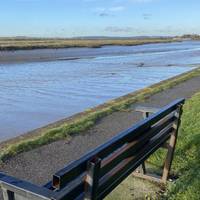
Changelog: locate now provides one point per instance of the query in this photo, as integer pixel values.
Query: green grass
(27, 44)
(186, 164)
(90, 117)
(134, 188)
(187, 158)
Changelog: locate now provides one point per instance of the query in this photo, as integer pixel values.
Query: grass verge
(28, 44)
(186, 164)
(187, 158)
(91, 117)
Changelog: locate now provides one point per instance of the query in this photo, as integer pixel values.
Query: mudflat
(44, 92)
(21, 51)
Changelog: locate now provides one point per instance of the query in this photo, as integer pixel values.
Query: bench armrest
(145, 109)
(14, 188)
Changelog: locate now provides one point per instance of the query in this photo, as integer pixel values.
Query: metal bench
(98, 172)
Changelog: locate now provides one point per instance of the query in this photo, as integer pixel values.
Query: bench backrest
(98, 172)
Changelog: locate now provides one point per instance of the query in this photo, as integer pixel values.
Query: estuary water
(35, 94)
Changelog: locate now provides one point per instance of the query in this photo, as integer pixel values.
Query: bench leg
(92, 179)
(141, 173)
(8, 195)
(141, 169)
(171, 146)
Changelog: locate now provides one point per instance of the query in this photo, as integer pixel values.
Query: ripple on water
(35, 94)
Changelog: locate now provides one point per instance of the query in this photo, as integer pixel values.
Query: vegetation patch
(90, 117)
(186, 164)
(135, 188)
(187, 157)
(37, 43)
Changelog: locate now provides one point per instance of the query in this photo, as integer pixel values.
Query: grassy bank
(186, 164)
(90, 117)
(27, 44)
(187, 158)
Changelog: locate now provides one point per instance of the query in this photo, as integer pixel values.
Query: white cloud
(103, 11)
(141, 1)
(117, 8)
(116, 29)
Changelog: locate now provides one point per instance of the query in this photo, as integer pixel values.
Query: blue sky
(69, 18)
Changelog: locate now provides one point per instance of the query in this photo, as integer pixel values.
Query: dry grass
(19, 44)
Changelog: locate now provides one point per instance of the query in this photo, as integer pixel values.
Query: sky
(72, 18)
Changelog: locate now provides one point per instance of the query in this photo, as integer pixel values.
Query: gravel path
(39, 165)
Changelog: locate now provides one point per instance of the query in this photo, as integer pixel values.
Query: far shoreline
(23, 51)
(43, 135)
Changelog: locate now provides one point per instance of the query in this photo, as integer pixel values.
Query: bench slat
(117, 158)
(76, 168)
(146, 109)
(130, 165)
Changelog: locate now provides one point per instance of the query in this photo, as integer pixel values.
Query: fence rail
(98, 172)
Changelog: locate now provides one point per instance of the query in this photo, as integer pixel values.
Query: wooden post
(92, 179)
(8, 195)
(145, 115)
(171, 146)
(142, 168)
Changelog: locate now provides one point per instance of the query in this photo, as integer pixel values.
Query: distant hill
(191, 36)
(120, 38)
(85, 38)
(186, 36)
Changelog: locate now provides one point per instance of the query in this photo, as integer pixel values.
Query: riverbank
(186, 161)
(39, 164)
(15, 51)
(27, 44)
(185, 164)
(44, 92)
(76, 124)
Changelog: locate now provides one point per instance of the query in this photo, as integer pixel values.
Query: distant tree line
(192, 36)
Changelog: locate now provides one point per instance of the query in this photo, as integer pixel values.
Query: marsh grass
(28, 44)
(90, 117)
